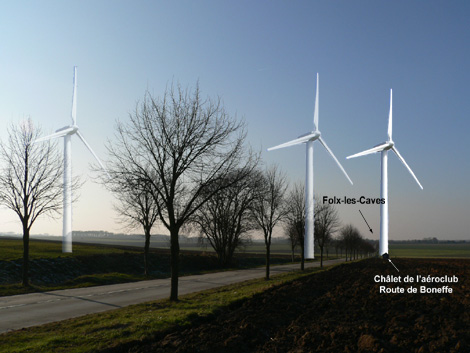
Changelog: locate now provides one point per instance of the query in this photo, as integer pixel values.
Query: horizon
(192, 237)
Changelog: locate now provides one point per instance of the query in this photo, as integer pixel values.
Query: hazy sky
(261, 57)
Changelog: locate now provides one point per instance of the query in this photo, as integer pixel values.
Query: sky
(261, 58)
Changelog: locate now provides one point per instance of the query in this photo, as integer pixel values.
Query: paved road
(27, 310)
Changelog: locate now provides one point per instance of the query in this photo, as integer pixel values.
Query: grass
(12, 249)
(136, 323)
(461, 250)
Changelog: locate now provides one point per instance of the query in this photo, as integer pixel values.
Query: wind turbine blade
(370, 151)
(297, 141)
(390, 118)
(92, 152)
(406, 165)
(315, 114)
(56, 134)
(74, 97)
(336, 160)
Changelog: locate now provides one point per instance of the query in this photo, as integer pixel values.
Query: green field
(412, 250)
(458, 250)
(92, 265)
(97, 264)
(12, 249)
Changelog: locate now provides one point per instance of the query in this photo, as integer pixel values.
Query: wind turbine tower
(67, 132)
(384, 148)
(309, 138)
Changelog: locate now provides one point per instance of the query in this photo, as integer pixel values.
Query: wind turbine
(309, 138)
(67, 132)
(384, 148)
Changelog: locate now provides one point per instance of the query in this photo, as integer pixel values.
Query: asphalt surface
(26, 310)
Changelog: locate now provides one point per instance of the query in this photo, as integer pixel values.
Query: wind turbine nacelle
(389, 145)
(72, 129)
(314, 135)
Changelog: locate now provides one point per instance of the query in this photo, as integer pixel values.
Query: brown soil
(339, 310)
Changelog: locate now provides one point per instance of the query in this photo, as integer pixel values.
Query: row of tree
(179, 161)
(327, 224)
(353, 244)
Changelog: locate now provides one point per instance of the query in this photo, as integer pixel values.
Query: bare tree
(357, 241)
(291, 230)
(182, 145)
(136, 204)
(351, 240)
(345, 239)
(295, 219)
(366, 248)
(269, 207)
(225, 219)
(326, 223)
(30, 180)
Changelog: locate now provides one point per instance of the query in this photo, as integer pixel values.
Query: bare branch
(226, 218)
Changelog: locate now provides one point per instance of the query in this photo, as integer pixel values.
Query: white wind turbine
(309, 138)
(383, 148)
(67, 132)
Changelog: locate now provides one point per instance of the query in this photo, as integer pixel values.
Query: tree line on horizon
(179, 161)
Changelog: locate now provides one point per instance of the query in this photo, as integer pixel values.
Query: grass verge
(136, 323)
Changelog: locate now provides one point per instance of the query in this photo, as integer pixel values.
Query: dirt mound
(340, 310)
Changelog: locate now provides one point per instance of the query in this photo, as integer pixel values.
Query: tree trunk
(321, 256)
(302, 259)
(268, 250)
(174, 263)
(146, 251)
(25, 256)
(292, 251)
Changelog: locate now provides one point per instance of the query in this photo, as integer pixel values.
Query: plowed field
(341, 310)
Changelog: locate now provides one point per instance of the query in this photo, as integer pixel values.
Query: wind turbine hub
(68, 130)
(315, 135)
(385, 145)
(312, 135)
(73, 130)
